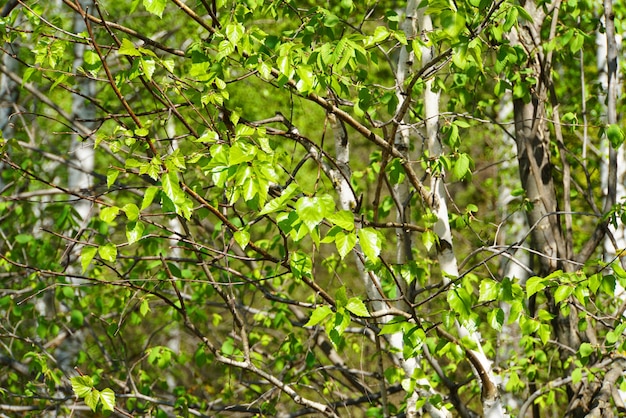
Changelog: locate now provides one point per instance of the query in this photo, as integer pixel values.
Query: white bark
(618, 232)
(609, 80)
(492, 405)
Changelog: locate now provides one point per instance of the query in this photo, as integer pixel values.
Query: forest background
(290, 208)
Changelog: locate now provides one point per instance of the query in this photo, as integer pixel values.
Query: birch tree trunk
(490, 396)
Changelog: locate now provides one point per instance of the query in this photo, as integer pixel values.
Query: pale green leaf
(108, 214)
(148, 67)
(345, 242)
(281, 201)
(489, 290)
(615, 135)
(156, 7)
(132, 211)
(112, 177)
(534, 285)
(144, 307)
(242, 237)
(371, 242)
(108, 252)
(86, 255)
(127, 48)
(343, 219)
(319, 314)
(562, 293)
(357, 307)
(148, 196)
(585, 350)
(107, 397)
(134, 231)
(310, 211)
(460, 301)
(92, 398)
(81, 385)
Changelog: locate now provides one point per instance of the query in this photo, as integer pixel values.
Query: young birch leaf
(132, 211)
(615, 135)
(86, 255)
(343, 219)
(109, 214)
(107, 397)
(81, 385)
(357, 307)
(344, 243)
(92, 398)
(281, 201)
(127, 48)
(155, 7)
(112, 177)
(148, 196)
(534, 285)
(562, 292)
(460, 302)
(134, 231)
(108, 252)
(488, 290)
(370, 242)
(242, 237)
(319, 314)
(310, 211)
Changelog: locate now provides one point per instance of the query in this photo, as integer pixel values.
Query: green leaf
(242, 237)
(392, 327)
(148, 66)
(107, 397)
(615, 135)
(77, 318)
(132, 211)
(134, 231)
(311, 211)
(156, 7)
(340, 296)
(86, 255)
(562, 293)
(343, 219)
(301, 264)
(108, 252)
(234, 32)
(319, 314)
(585, 350)
(462, 166)
(281, 201)
(453, 23)
(127, 48)
(148, 196)
(511, 19)
(144, 307)
(460, 301)
(371, 242)
(112, 177)
(489, 290)
(345, 243)
(81, 385)
(496, 318)
(357, 307)
(108, 214)
(92, 398)
(534, 285)
(23, 238)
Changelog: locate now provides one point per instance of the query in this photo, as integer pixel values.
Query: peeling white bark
(492, 405)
